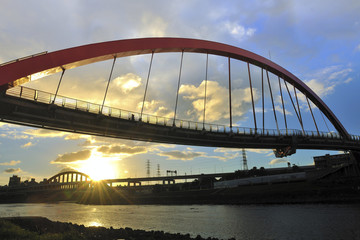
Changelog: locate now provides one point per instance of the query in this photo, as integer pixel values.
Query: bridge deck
(35, 108)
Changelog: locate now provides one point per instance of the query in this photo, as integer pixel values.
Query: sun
(99, 168)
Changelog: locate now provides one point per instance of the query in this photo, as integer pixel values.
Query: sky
(318, 41)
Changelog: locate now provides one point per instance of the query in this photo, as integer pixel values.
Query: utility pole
(245, 166)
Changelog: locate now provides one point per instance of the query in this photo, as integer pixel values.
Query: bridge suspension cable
(283, 106)
(317, 129)
(107, 87)
(252, 97)
(301, 124)
(57, 89)
(178, 87)
(230, 94)
(325, 121)
(206, 78)
(147, 82)
(297, 102)
(272, 101)
(263, 101)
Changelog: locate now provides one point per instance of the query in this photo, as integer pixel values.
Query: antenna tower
(245, 166)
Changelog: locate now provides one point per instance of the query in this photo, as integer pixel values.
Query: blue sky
(318, 41)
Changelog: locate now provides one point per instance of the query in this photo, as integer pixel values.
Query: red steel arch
(19, 72)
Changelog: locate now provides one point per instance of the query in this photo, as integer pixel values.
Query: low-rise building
(14, 181)
(332, 161)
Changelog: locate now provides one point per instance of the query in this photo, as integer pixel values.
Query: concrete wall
(289, 177)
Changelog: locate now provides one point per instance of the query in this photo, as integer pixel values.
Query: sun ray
(99, 167)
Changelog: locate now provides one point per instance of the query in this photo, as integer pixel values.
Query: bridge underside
(21, 111)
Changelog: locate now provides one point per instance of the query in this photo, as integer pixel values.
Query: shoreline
(43, 228)
(286, 193)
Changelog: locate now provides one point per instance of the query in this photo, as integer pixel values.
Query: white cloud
(11, 163)
(281, 110)
(73, 157)
(340, 74)
(152, 25)
(326, 80)
(320, 88)
(278, 160)
(27, 145)
(238, 31)
(216, 99)
(127, 82)
(348, 80)
(260, 151)
(44, 133)
(181, 155)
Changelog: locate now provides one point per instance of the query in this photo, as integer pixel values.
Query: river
(309, 221)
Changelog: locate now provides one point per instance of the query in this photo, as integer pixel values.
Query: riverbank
(42, 228)
(280, 193)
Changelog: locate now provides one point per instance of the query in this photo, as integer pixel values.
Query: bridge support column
(168, 181)
(355, 159)
(134, 184)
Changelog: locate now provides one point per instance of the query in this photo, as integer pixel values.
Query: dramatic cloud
(73, 157)
(181, 155)
(12, 170)
(127, 82)
(307, 44)
(117, 149)
(278, 160)
(73, 136)
(216, 100)
(11, 163)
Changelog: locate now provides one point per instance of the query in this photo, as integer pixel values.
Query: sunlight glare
(99, 168)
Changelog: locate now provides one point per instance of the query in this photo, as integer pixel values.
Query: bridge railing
(49, 98)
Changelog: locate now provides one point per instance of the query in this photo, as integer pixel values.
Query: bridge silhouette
(75, 179)
(31, 107)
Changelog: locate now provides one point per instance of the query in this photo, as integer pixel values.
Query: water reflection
(221, 221)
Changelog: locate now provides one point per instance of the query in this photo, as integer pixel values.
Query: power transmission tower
(245, 166)
(158, 170)
(148, 168)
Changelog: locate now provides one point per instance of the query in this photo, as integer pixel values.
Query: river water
(310, 221)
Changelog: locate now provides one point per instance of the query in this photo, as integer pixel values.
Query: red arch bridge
(268, 83)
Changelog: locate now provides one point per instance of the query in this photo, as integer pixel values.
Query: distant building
(14, 181)
(332, 161)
